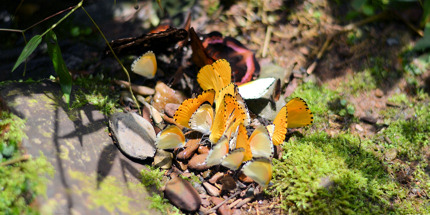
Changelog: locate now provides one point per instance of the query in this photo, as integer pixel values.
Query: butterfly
(293, 115)
(259, 169)
(226, 153)
(145, 65)
(169, 138)
(216, 76)
(189, 106)
(260, 143)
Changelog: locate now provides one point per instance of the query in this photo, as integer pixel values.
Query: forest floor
(368, 150)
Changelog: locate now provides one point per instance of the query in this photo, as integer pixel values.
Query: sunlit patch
(218, 151)
(233, 159)
(171, 137)
(260, 143)
(189, 106)
(146, 65)
(299, 114)
(260, 170)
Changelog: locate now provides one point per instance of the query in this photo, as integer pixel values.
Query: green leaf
(59, 65)
(424, 42)
(28, 49)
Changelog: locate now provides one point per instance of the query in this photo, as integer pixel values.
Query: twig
(171, 121)
(16, 160)
(267, 40)
(220, 204)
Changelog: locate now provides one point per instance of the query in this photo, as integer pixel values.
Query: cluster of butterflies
(220, 113)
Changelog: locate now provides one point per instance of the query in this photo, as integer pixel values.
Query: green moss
(96, 91)
(153, 177)
(358, 82)
(20, 182)
(342, 174)
(334, 175)
(110, 194)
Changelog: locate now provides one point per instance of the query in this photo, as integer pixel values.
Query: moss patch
(20, 182)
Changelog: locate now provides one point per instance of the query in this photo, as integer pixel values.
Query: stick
(16, 160)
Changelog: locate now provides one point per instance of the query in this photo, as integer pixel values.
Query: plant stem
(16, 160)
(117, 59)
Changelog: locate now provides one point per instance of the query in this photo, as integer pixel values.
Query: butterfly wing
(208, 78)
(217, 153)
(260, 170)
(146, 65)
(189, 106)
(171, 137)
(202, 118)
(233, 159)
(280, 124)
(299, 114)
(243, 142)
(224, 70)
(260, 143)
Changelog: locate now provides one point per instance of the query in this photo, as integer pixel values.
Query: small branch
(267, 40)
(16, 160)
(220, 204)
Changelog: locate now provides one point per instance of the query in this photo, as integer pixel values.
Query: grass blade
(28, 49)
(59, 65)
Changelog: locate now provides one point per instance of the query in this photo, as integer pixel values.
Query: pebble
(181, 165)
(190, 148)
(197, 162)
(205, 200)
(379, 93)
(216, 177)
(228, 183)
(245, 179)
(224, 209)
(181, 193)
(212, 190)
(203, 149)
(135, 135)
(163, 159)
(164, 95)
(171, 108)
(369, 119)
(391, 154)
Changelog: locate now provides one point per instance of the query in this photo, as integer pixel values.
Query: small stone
(205, 200)
(199, 188)
(197, 162)
(163, 159)
(326, 182)
(182, 194)
(359, 128)
(224, 209)
(391, 154)
(181, 165)
(164, 95)
(228, 183)
(190, 148)
(245, 179)
(369, 119)
(216, 177)
(171, 108)
(203, 149)
(206, 173)
(379, 93)
(135, 135)
(212, 190)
